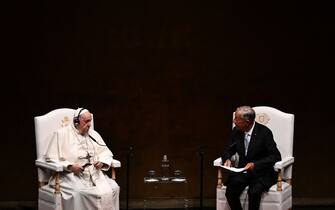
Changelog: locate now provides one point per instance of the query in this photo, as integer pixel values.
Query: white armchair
(50, 198)
(279, 196)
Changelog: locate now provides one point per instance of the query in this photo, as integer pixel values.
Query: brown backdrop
(164, 78)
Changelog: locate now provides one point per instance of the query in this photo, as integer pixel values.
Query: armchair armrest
(280, 165)
(49, 165)
(116, 164)
(217, 162)
(56, 167)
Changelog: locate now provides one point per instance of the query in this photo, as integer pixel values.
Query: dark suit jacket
(262, 151)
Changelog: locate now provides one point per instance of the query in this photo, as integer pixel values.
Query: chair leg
(279, 184)
(113, 174)
(57, 183)
(219, 185)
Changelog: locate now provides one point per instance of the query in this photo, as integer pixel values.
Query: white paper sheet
(237, 170)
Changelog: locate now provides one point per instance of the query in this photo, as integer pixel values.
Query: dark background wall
(164, 78)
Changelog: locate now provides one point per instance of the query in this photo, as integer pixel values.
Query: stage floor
(294, 208)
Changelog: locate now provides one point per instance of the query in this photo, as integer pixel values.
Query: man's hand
(76, 168)
(249, 167)
(227, 163)
(98, 164)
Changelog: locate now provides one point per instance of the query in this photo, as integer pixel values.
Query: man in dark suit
(257, 153)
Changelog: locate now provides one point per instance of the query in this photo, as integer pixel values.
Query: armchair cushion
(272, 196)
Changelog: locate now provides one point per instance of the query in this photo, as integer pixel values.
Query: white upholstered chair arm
(116, 164)
(217, 162)
(49, 165)
(288, 161)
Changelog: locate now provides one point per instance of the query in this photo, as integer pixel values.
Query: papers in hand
(237, 170)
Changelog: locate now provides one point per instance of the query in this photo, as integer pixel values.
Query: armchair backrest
(281, 125)
(45, 126)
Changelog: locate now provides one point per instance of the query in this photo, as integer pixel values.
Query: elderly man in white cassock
(85, 156)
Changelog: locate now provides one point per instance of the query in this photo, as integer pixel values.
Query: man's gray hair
(248, 113)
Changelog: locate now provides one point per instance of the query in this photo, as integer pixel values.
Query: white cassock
(91, 189)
